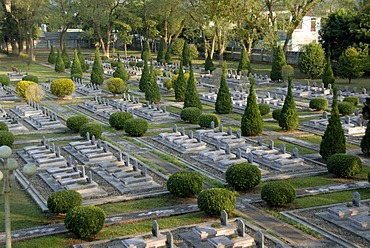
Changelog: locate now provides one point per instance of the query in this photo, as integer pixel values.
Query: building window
(313, 24)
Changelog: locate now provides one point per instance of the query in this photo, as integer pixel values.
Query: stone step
(68, 181)
(59, 169)
(99, 157)
(62, 175)
(125, 174)
(82, 186)
(108, 164)
(116, 169)
(134, 180)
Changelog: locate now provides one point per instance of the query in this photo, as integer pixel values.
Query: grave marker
(356, 198)
(169, 240)
(260, 239)
(223, 218)
(295, 152)
(282, 148)
(155, 228)
(240, 228)
(271, 144)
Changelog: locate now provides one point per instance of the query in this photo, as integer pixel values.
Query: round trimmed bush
(31, 78)
(3, 126)
(352, 99)
(116, 86)
(319, 104)
(75, 122)
(243, 176)
(140, 64)
(62, 87)
(4, 80)
(346, 108)
(176, 71)
(277, 194)
(213, 201)
(185, 183)
(206, 119)
(85, 221)
(191, 114)
(6, 138)
(264, 108)
(61, 202)
(93, 128)
(276, 114)
(132, 63)
(22, 87)
(344, 165)
(118, 119)
(136, 127)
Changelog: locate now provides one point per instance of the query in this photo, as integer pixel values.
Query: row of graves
(88, 89)
(12, 121)
(94, 168)
(216, 150)
(235, 79)
(7, 94)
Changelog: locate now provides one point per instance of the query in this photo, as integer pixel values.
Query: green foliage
(344, 165)
(84, 65)
(346, 108)
(208, 65)
(177, 47)
(168, 57)
(319, 104)
(145, 76)
(4, 80)
(85, 221)
(145, 53)
(6, 138)
(132, 63)
(288, 119)
(277, 64)
(139, 64)
(65, 57)
(62, 87)
(117, 86)
(243, 176)
(365, 142)
(328, 75)
(223, 103)
(287, 71)
(94, 129)
(191, 114)
(213, 201)
(61, 202)
(31, 78)
(206, 119)
(185, 57)
(75, 122)
(180, 85)
(312, 60)
(244, 63)
(352, 99)
(76, 69)
(252, 122)
(168, 83)
(118, 119)
(51, 57)
(121, 72)
(22, 87)
(276, 114)
(152, 93)
(185, 183)
(350, 64)
(264, 108)
(97, 73)
(193, 51)
(161, 52)
(136, 127)
(277, 194)
(59, 64)
(191, 95)
(3, 126)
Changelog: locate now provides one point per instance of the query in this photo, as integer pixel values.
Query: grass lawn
(174, 109)
(314, 181)
(289, 147)
(271, 126)
(316, 139)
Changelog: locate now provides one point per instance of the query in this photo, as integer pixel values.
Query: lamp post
(7, 166)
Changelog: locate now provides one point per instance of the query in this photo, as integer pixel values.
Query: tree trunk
(125, 47)
(106, 53)
(204, 44)
(221, 46)
(250, 44)
(14, 46)
(62, 38)
(101, 41)
(287, 39)
(213, 44)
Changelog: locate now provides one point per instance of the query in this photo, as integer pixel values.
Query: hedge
(185, 183)
(136, 127)
(213, 201)
(319, 104)
(264, 108)
(206, 119)
(62, 87)
(61, 202)
(118, 119)
(191, 114)
(344, 165)
(93, 128)
(31, 78)
(243, 176)
(75, 122)
(277, 194)
(352, 99)
(346, 108)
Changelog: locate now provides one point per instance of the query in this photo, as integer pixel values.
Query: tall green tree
(223, 102)
(76, 70)
(328, 76)
(333, 140)
(84, 65)
(97, 73)
(168, 56)
(208, 65)
(244, 63)
(185, 58)
(121, 73)
(145, 76)
(180, 85)
(350, 64)
(65, 57)
(277, 64)
(288, 119)
(312, 60)
(59, 64)
(161, 52)
(145, 53)
(191, 95)
(152, 93)
(252, 122)
(51, 57)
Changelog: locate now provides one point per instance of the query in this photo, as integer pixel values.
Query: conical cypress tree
(252, 122)
(161, 52)
(152, 93)
(185, 58)
(144, 76)
(84, 65)
(208, 65)
(288, 119)
(65, 57)
(51, 58)
(223, 102)
(328, 76)
(168, 56)
(244, 63)
(277, 64)
(180, 85)
(76, 70)
(333, 140)
(59, 64)
(120, 72)
(97, 73)
(146, 51)
(191, 95)
(365, 142)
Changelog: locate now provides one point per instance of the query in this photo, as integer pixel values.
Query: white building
(306, 32)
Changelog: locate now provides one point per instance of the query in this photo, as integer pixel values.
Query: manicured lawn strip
(235, 116)
(173, 109)
(289, 147)
(316, 139)
(36, 136)
(306, 182)
(271, 126)
(148, 163)
(168, 124)
(170, 159)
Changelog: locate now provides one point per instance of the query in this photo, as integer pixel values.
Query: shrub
(152, 92)
(312, 60)
(277, 194)
(59, 64)
(179, 82)
(76, 69)
(61, 202)
(117, 86)
(193, 51)
(114, 63)
(4, 80)
(121, 73)
(92, 128)
(243, 176)
(62, 87)
(6, 138)
(206, 119)
(3, 126)
(344, 165)
(34, 92)
(136, 127)
(277, 64)
(168, 57)
(319, 104)
(244, 63)
(31, 78)
(350, 65)
(185, 183)
(168, 83)
(288, 119)
(346, 108)
(191, 114)
(264, 108)
(75, 122)
(118, 119)
(223, 103)
(85, 221)
(65, 57)
(352, 99)
(84, 65)
(208, 65)
(161, 52)
(51, 57)
(328, 75)
(22, 87)
(276, 114)
(145, 76)
(132, 63)
(365, 142)
(140, 64)
(213, 201)
(185, 57)
(97, 73)
(176, 71)
(191, 94)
